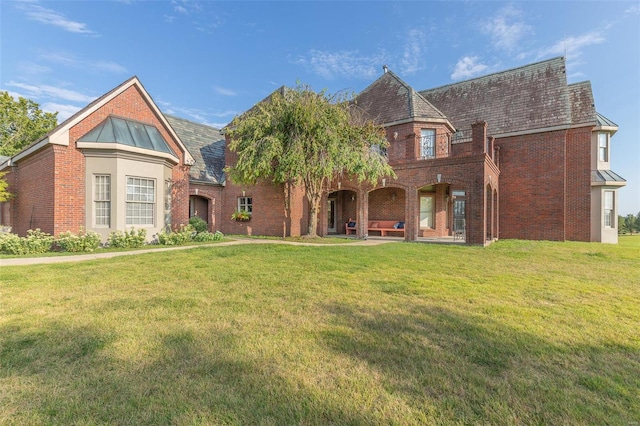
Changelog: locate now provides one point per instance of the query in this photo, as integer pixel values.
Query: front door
(331, 216)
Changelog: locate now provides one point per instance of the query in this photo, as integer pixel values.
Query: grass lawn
(516, 333)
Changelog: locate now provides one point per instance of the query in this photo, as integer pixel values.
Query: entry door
(331, 215)
(458, 215)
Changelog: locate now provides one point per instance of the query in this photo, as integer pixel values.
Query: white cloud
(224, 91)
(633, 10)
(29, 68)
(410, 62)
(345, 63)
(196, 115)
(507, 29)
(70, 60)
(51, 17)
(52, 92)
(572, 46)
(64, 110)
(468, 67)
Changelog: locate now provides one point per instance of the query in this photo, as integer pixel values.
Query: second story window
(427, 143)
(603, 147)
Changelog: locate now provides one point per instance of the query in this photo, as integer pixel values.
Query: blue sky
(209, 61)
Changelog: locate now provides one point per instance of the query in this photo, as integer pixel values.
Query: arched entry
(340, 209)
(199, 206)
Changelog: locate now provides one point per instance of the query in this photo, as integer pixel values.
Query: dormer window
(603, 146)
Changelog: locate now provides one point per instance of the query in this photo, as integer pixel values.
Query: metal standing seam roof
(604, 176)
(604, 121)
(128, 132)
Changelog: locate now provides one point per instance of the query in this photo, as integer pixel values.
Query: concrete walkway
(108, 255)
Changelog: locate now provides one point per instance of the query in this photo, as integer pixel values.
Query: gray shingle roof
(582, 105)
(206, 145)
(531, 97)
(389, 100)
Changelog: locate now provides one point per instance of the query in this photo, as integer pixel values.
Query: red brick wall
(532, 186)
(384, 206)
(270, 216)
(70, 162)
(213, 197)
(33, 205)
(578, 204)
(50, 184)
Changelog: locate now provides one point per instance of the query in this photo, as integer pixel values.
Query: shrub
(35, 242)
(131, 239)
(208, 236)
(11, 244)
(176, 238)
(198, 224)
(82, 242)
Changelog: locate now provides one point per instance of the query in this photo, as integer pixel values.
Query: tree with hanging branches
(301, 137)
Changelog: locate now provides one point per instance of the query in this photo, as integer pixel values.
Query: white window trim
(131, 220)
(605, 148)
(245, 204)
(608, 211)
(102, 196)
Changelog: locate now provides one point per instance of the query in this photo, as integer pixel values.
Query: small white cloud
(468, 67)
(51, 17)
(70, 60)
(345, 63)
(31, 69)
(572, 46)
(64, 110)
(224, 91)
(410, 62)
(507, 29)
(195, 114)
(46, 91)
(633, 10)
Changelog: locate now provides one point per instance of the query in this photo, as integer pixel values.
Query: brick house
(114, 165)
(515, 154)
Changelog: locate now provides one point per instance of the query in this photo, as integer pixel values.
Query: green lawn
(516, 333)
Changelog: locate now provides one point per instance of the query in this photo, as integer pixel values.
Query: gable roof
(206, 145)
(583, 109)
(59, 135)
(389, 100)
(534, 96)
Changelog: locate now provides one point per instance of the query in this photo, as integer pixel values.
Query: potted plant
(241, 216)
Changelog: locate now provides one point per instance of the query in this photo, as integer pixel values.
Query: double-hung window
(141, 201)
(609, 219)
(603, 146)
(245, 204)
(102, 200)
(427, 143)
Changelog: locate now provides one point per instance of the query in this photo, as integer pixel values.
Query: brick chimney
(479, 137)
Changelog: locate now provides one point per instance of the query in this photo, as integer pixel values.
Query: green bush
(35, 242)
(131, 239)
(176, 238)
(82, 242)
(198, 224)
(208, 236)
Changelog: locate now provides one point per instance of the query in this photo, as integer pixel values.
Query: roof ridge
(189, 121)
(496, 73)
